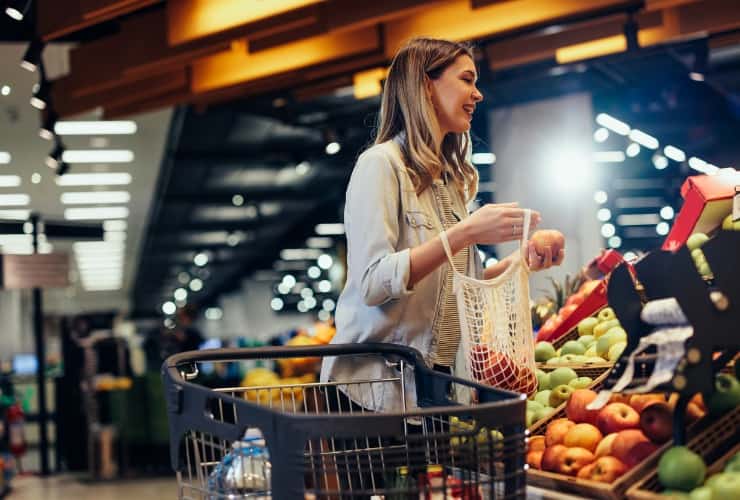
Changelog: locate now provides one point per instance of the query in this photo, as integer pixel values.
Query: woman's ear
(428, 88)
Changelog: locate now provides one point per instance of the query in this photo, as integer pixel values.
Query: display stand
(711, 305)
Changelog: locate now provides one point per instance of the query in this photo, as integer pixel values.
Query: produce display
(554, 389)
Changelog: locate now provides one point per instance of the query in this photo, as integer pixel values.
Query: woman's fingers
(547, 257)
(560, 257)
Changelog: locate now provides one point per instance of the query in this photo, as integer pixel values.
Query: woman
(411, 185)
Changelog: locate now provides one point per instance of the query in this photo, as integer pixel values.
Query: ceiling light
(608, 230)
(200, 259)
(180, 294)
(483, 158)
(324, 315)
(10, 180)
(302, 307)
(604, 214)
(95, 179)
(15, 214)
(612, 124)
(662, 228)
(14, 200)
(638, 219)
(5, 90)
(328, 304)
(325, 261)
(333, 148)
(17, 9)
(615, 242)
(601, 134)
(32, 57)
(299, 253)
(214, 313)
(169, 307)
(310, 302)
(302, 168)
(98, 156)
(237, 200)
(314, 272)
(701, 166)
(114, 236)
(47, 128)
(35, 178)
(696, 76)
(95, 197)
(643, 139)
(196, 285)
(96, 213)
(674, 153)
(633, 150)
(319, 242)
(329, 229)
(276, 304)
(40, 97)
(289, 280)
(660, 161)
(667, 212)
(115, 225)
(123, 127)
(608, 156)
(5, 157)
(306, 293)
(284, 288)
(324, 286)
(600, 197)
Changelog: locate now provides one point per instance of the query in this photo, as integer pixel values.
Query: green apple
(562, 376)
(543, 412)
(733, 464)
(533, 405)
(725, 397)
(615, 351)
(587, 340)
(606, 314)
(681, 469)
(698, 256)
(529, 418)
(604, 327)
(696, 240)
(725, 485)
(586, 326)
(591, 351)
(729, 225)
(573, 347)
(543, 397)
(674, 495)
(701, 493)
(543, 351)
(596, 359)
(580, 382)
(704, 269)
(560, 395)
(543, 380)
(553, 361)
(614, 335)
(572, 359)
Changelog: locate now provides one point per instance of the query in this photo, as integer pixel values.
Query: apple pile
(601, 339)
(554, 389)
(682, 472)
(601, 445)
(571, 304)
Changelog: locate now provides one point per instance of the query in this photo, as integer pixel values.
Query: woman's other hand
(495, 223)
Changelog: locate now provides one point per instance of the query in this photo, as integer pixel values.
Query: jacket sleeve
(372, 217)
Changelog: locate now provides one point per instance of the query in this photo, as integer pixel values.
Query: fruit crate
(709, 444)
(598, 373)
(705, 429)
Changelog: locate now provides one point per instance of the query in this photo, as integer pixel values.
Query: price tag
(736, 205)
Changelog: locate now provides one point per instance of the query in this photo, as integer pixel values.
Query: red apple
(536, 443)
(615, 417)
(604, 469)
(604, 447)
(656, 422)
(574, 459)
(534, 459)
(493, 368)
(631, 446)
(576, 410)
(556, 431)
(583, 436)
(551, 457)
(525, 381)
(640, 401)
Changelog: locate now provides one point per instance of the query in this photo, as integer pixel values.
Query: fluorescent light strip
(14, 200)
(115, 225)
(319, 242)
(123, 127)
(644, 139)
(5, 157)
(114, 236)
(483, 158)
(94, 179)
(299, 253)
(15, 238)
(608, 156)
(98, 156)
(674, 153)
(96, 213)
(10, 180)
(638, 219)
(329, 229)
(93, 197)
(639, 202)
(701, 166)
(95, 245)
(612, 124)
(15, 214)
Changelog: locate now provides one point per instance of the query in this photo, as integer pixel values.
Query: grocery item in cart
(245, 470)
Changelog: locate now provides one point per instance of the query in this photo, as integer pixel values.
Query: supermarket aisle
(66, 487)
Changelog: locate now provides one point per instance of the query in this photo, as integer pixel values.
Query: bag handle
(522, 243)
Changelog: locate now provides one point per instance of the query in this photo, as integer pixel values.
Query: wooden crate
(716, 445)
(724, 427)
(598, 373)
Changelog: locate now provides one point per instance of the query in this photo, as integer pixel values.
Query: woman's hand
(495, 223)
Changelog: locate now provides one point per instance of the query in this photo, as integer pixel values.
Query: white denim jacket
(384, 218)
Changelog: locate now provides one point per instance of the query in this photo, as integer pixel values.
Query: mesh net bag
(496, 323)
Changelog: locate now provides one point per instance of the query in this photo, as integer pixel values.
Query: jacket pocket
(417, 219)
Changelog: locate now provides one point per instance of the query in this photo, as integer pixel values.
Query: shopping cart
(301, 441)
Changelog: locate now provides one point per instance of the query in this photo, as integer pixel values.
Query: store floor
(66, 487)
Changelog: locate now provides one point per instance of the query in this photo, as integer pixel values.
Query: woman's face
(454, 95)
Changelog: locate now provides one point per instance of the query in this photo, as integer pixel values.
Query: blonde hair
(406, 107)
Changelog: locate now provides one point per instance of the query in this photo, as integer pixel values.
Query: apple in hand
(556, 430)
(548, 238)
(681, 469)
(574, 459)
(576, 409)
(583, 436)
(616, 417)
(656, 422)
(631, 446)
(605, 470)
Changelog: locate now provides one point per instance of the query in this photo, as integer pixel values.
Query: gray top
(383, 219)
